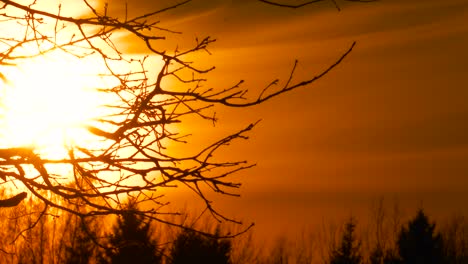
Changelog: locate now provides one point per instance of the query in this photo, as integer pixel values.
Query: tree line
(130, 238)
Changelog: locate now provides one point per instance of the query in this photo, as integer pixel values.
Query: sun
(46, 101)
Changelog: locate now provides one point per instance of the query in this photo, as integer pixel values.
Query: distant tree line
(66, 238)
(418, 242)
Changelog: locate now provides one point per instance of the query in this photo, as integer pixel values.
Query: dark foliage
(383, 256)
(192, 247)
(131, 240)
(348, 251)
(377, 256)
(418, 243)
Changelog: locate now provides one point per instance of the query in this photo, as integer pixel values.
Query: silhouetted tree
(131, 154)
(349, 249)
(191, 247)
(455, 240)
(131, 240)
(80, 247)
(418, 243)
(378, 255)
(385, 232)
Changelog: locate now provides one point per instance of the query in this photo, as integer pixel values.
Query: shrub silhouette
(131, 241)
(383, 256)
(418, 244)
(192, 247)
(348, 251)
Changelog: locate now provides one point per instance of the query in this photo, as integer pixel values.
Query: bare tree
(131, 156)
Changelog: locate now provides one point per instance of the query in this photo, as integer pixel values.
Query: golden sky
(390, 120)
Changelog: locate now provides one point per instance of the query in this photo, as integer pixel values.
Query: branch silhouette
(134, 157)
(276, 3)
(13, 201)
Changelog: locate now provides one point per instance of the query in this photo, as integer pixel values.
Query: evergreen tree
(131, 240)
(348, 251)
(418, 244)
(191, 247)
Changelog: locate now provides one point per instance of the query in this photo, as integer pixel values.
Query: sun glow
(46, 101)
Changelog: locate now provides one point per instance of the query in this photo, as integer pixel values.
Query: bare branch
(13, 201)
(131, 155)
(310, 2)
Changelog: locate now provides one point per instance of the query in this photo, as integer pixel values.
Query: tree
(386, 227)
(380, 256)
(79, 236)
(192, 247)
(455, 239)
(348, 252)
(131, 240)
(418, 242)
(129, 152)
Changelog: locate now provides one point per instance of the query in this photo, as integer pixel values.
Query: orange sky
(390, 120)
